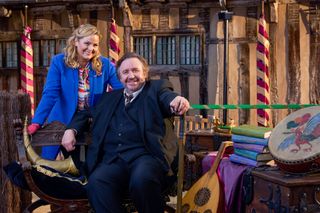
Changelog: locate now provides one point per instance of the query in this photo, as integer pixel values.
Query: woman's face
(87, 48)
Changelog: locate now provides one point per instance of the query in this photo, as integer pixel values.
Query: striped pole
(26, 65)
(263, 88)
(114, 49)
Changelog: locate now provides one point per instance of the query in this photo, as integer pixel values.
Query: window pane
(143, 47)
(36, 53)
(190, 50)
(48, 48)
(166, 50)
(52, 49)
(11, 54)
(62, 43)
(45, 54)
(183, 50)
(159, 50)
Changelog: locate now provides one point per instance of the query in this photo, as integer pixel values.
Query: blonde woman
(76, 79)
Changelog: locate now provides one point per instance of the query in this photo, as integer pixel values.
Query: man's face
(131, 74)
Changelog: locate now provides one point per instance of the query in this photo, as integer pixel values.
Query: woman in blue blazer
(75, 81)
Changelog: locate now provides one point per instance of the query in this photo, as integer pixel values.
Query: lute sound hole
(202, 197)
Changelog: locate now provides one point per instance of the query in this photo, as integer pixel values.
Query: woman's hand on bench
(32, 128)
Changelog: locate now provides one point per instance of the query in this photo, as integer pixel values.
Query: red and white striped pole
(26, 64)
(114, 49)
(263, 86)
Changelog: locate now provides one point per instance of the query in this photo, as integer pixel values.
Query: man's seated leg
(146, 184)
(107, 186)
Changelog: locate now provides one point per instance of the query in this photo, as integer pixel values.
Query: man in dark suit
(133, 140)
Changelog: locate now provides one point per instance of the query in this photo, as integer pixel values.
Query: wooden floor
(42, 209)
(45, 209)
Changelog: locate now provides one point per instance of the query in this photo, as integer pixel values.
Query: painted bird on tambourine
(303, 131)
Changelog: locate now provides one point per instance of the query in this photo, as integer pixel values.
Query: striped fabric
(83, 88)
(263, 88)
(26, 65)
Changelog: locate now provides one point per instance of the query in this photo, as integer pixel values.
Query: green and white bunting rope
(249, 106)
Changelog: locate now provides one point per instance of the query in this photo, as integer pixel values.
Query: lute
(203, 196)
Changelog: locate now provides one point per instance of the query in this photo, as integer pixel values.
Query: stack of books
(251, 145)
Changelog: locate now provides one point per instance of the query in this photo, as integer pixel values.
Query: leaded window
(166, 50)
(143, 47)
(11, 54)
(190, 50)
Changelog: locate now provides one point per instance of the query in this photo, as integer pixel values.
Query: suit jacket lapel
(106, 111)
(143, 95)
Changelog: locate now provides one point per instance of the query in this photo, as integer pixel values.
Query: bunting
(263, 88)
(26, 64)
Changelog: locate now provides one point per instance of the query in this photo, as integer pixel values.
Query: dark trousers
(143, 179)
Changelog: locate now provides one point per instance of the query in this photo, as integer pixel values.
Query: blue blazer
(60, 95)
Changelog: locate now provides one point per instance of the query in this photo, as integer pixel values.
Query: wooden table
(204, 140)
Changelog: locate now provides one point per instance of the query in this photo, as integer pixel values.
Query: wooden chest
(204, 140)
(193, 168)
(275, 191)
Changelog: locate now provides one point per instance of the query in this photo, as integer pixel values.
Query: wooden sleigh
(48, 136)
(51, 135)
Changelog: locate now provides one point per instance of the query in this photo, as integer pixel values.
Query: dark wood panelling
(164, 18)
(251, 23)
(204, 15)
(294, 71)
(244, 81)
(314, 54)
(146, 20)
(183, 13)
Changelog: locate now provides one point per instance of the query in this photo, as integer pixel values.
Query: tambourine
(295, 141)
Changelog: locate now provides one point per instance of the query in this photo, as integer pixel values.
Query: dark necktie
(127, 98)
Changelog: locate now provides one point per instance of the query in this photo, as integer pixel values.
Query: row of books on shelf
(251, 145)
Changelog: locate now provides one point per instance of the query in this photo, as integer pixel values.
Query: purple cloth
(230, 174)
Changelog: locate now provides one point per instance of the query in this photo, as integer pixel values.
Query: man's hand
(69, 140)
(179, 105)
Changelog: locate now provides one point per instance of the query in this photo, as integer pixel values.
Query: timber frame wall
(293, 27)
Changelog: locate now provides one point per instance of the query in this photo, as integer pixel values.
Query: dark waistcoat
(123, 137)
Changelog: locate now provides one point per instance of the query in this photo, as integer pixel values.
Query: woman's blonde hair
(71, 50)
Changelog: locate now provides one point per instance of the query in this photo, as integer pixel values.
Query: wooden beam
(9, 36)
(51, 34)
(194, 69)
(47, 10)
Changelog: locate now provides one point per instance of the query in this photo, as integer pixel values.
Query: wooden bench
(52, 135)
(57, 205)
